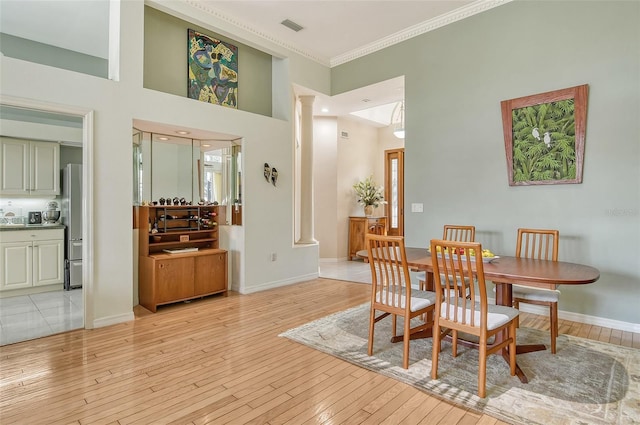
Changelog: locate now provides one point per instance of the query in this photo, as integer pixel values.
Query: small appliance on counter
(35, 217)
(52, 214)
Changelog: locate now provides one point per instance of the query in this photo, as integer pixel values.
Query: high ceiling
(334, 32)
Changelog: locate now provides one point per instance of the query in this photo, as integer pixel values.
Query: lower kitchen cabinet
(169, 278)
(31, 258)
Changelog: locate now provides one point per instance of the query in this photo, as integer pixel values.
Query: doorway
(394, 190)
(57, 310)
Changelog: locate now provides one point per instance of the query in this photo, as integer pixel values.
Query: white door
(48, 262)
(18, 255)
(14, 176)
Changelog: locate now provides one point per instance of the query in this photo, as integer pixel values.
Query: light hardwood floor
(219, 360)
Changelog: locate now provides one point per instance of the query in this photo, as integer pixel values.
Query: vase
(368, 210)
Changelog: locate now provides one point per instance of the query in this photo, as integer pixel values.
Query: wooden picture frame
(544, 136)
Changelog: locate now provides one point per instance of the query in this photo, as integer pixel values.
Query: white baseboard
(580, 318)
(279, 283)
(113, 320)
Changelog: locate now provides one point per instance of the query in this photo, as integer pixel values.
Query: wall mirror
(197, 170)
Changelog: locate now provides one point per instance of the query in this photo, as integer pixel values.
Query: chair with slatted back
(453, 314)
(391, 291)
(451, 232)
(543, 245)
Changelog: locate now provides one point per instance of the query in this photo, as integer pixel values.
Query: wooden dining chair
(451, 232)
(455, 274)
(391, 291)
(540, 244)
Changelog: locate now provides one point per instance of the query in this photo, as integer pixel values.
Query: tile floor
(354, 271)
(33, 316)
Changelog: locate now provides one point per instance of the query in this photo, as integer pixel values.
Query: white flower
(368, 194)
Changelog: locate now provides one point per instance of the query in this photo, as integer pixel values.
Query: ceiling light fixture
(398, 129)
(164, 139)
(183, 132)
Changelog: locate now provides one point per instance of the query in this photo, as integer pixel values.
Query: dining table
(505, 271)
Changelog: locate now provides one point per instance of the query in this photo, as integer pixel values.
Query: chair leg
(394, 321)
(422, 285)
(372, 318)
(553, 317)
(454, 343)
(512, 348)
(435, 352)
(405, 341)
(482, 369)
(516, 305)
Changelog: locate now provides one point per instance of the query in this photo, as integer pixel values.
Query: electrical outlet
(274, 256)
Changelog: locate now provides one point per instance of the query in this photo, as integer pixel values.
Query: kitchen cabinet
(31, 258)
(29, 167)
(179, 258)
(359, 227)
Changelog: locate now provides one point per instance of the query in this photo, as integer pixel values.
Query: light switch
(417, 207)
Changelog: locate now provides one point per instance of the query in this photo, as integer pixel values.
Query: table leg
(504, 296)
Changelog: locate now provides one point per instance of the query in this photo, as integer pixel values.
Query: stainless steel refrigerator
(71, 214)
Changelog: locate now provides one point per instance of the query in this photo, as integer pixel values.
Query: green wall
(455, 79)
(45, 54)
(165, 62)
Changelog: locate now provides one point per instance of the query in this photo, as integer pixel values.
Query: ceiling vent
(291, 25)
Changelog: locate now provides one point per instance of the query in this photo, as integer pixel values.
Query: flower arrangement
(367, 193)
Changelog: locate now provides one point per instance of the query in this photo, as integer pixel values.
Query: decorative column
(306, 170)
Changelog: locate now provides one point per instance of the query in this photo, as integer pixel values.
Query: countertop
(11, 227)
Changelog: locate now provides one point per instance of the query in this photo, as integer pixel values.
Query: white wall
(267, 211)
(357, 160)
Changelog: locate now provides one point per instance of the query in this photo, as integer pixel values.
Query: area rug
(585, 382)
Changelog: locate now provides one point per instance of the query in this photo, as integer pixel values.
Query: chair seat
(535, 294)
(421, 299)
(497, 315)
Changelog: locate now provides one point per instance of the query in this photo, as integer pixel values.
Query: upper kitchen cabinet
(29, 168)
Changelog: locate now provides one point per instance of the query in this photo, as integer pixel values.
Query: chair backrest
(390, 278)
(456, 274)
(378, 229)
(540, 244)
(459, 233)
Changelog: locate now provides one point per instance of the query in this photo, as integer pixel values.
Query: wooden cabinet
(179, 257)
(210, 274)
(31, 258)
(359, 227)
(29, 168)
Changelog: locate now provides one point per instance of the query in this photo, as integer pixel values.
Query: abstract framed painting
(544, 136)
(213, 70)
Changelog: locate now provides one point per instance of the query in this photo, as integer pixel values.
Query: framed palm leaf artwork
(213, 70)
(544, 136)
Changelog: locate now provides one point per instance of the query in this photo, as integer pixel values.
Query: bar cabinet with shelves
(179, 255)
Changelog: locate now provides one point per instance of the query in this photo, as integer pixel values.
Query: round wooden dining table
(505, 271)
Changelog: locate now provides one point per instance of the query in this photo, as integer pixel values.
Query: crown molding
(471, 9)
(203, 7)
(419, 29)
